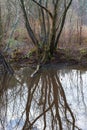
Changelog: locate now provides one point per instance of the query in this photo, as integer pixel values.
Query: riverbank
(65, 56)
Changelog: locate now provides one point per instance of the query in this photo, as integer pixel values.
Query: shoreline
(61, 56)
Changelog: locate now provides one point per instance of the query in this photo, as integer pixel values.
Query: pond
(55, 99)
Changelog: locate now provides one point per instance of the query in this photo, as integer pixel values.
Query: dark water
(55, 99)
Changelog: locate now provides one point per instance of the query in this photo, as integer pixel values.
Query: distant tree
(9, 18)
(8, 15)
(51, 15)
(1, 27)
(12, 18)
(82, 12)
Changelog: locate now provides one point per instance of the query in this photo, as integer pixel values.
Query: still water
(55, 99)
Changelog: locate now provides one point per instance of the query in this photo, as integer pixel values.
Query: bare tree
(12, 23)
(51, 15)
(1, 28)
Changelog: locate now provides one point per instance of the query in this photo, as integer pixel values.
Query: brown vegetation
(73, 38)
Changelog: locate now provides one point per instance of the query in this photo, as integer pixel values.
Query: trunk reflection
(38, 103)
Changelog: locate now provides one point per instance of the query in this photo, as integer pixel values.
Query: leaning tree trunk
(5, 65)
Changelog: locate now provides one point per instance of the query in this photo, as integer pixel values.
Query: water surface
(55, 99)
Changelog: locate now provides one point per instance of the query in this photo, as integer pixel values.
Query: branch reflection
(37, 103)
(49, 99)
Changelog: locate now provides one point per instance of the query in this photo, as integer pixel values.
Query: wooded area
(43, 64)
(38, 28)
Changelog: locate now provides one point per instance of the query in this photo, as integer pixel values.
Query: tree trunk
(5, 64)
(1, 28)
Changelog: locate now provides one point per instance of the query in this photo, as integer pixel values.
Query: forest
(43, 64)
(44, 31)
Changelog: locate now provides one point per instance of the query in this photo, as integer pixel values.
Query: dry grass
(71, 39)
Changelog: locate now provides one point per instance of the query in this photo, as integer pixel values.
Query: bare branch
(29, 29)
(44, 8)
(63, 21)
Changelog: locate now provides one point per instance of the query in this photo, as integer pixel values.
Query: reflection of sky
(15, 109)
(75, 86)
(16, 105)
(13, 123)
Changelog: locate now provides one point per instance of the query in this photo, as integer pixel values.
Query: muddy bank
(66, 56)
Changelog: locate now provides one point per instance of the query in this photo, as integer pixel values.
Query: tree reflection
(4, 84)
(37, 103)
(48, 97)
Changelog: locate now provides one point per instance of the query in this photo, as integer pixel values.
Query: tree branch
(29, 29)
(63, 21)
(44, 8)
